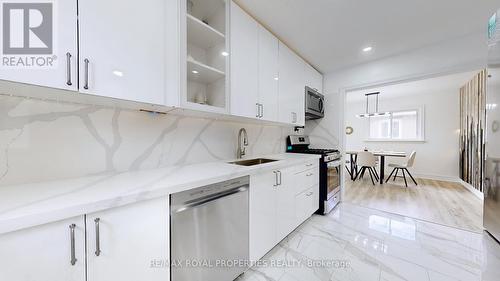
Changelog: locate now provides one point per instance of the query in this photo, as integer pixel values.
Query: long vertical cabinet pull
(258, 110)
(261, 110)
(275, 178)
(97, 239)
(86, 84)
(279, 172)
(68, 69)
(72, 239)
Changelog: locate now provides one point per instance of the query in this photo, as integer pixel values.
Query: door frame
(344, 91)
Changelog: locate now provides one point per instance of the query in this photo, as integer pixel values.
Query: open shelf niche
(206, 58)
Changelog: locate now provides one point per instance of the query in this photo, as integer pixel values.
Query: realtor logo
(28, 34)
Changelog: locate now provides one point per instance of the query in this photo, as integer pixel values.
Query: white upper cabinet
(244, 64)
(291, 87)
(124, 46)
(314, 79)
(268, 74)
(49, 252)
(254, 68)
(58, 68)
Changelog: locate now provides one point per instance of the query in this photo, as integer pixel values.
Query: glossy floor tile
(357, 243)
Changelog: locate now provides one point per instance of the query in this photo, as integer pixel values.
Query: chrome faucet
(241, 148)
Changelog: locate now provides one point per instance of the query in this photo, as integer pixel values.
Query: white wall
(438, 155)
(42, 140)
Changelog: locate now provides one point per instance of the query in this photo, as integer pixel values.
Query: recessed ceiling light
(367, 49)
(195, 71)
(225, 54)
(118, 73)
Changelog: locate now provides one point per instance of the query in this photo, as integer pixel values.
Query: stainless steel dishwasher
(209, 232)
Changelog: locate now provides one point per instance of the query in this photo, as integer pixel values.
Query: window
(404, 125)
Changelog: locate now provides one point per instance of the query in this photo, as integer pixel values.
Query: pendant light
(372, 114)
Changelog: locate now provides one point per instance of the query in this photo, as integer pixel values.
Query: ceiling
(431, 85)
(330, 34)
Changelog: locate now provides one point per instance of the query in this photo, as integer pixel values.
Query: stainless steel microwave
(314, 104)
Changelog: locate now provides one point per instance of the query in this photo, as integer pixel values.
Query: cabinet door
(123, 49)
(268, 74)
(299, 93)
(133, 241)
(44, 253)
(262, 214)
(291, 87)
(285, 204)
(63, 72)
(314, 78)
(244, 63)
(304, 205)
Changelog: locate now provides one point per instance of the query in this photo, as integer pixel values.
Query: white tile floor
(356, 243)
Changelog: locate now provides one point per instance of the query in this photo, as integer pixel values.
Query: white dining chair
(366, 161)
(404, 167)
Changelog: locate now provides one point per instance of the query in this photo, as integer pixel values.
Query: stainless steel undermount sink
(253, 162)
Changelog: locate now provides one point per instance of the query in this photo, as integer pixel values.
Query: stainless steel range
(329, 175)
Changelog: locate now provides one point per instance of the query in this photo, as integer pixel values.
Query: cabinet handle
(275, 178)
(294, 117)
(68, 69)
(310, 174)
(72, 239)
(260, 110)
(86, 85)
(309, 165)
(279, 172)
(97, 240)
(310, 193)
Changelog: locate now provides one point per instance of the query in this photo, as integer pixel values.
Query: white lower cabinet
(50, 252)
(262, 214)
(278, 204)
(305, 204)
(285, 203)
(129, 242)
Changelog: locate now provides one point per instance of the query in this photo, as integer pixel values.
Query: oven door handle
(333, 164)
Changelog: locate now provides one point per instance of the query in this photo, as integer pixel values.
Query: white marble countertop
(23, 206)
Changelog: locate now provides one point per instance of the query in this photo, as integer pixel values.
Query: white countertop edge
(10, 221)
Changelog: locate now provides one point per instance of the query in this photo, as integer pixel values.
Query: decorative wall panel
(472, 130)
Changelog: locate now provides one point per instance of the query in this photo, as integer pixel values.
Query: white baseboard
(474, 191)
(437, 177)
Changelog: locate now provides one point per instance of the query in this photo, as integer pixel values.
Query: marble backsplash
(46, 140)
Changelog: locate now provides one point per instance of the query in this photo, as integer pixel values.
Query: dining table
(377, 153)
